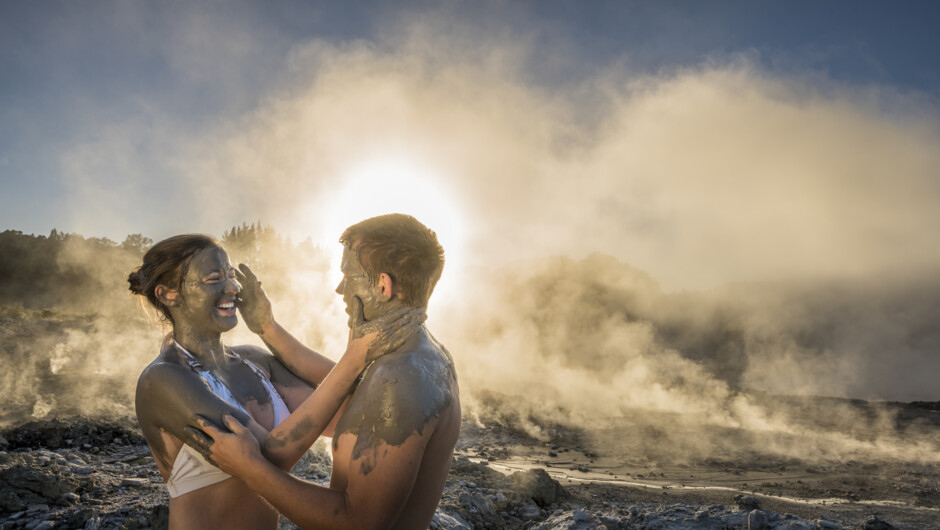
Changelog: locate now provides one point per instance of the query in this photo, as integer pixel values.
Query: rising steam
(822, 197)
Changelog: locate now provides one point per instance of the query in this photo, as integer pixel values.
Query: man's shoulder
(421, 360)
(402, 391)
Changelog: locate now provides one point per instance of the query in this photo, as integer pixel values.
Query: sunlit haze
(379, 185)
(667, 207)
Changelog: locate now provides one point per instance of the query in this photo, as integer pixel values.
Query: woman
(190, 280)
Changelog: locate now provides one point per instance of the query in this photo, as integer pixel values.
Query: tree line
(73, 272)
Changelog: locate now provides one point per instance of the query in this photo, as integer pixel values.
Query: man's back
(399, 430)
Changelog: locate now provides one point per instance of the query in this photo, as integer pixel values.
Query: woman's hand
(384, 334)
(253, 302)
(229, 451)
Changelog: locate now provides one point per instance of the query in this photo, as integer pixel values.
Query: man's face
(208, 290)
(356, 283)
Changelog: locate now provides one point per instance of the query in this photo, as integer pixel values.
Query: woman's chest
(244, 387)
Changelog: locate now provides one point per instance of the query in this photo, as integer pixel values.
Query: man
(393, 444)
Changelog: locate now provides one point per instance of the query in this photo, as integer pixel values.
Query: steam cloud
(702, 176)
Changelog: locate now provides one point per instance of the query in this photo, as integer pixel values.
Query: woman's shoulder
(162, 372)
(257, 355)
(274, 368)
(168, 356)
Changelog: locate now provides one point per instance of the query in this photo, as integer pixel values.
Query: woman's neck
(206, 347)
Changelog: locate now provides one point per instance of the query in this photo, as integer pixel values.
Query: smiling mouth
(226, 309)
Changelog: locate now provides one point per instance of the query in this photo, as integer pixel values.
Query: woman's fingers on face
(247, 272)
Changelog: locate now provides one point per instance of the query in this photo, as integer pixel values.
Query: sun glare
(392, 185)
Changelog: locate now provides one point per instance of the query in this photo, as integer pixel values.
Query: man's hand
(230, 450)
(383, 334)
(252, 301)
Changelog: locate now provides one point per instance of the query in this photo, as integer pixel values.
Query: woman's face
(207, 292)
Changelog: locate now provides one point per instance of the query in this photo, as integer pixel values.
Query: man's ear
(166, 295)
(386, 287)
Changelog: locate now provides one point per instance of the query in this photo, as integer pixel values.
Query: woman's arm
(287, 442)
(367, 341)
(255, 308)
(168, 395)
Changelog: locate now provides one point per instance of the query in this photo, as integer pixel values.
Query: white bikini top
(190, 470)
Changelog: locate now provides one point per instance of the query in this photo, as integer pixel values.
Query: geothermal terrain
(592, 399)
(63, 467)
(78, 472)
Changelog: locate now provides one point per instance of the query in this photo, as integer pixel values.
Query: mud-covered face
(207, 292)
(356, 283)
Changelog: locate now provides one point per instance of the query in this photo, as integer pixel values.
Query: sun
(388, 184)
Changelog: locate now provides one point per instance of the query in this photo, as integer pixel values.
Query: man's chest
(342, 455)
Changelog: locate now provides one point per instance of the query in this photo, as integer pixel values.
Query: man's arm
(375, 493)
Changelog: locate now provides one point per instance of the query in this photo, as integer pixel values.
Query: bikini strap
(187, 357)
(279, 413)
(254, 368)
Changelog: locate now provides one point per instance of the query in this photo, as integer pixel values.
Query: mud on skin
(169, 392)
(399, 395)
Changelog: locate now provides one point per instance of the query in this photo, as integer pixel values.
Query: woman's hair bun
(135, 281)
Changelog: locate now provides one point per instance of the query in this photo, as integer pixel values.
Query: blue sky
(112, 113)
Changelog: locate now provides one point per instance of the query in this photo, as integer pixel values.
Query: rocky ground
(78, 472)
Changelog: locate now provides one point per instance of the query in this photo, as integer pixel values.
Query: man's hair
(400, 246)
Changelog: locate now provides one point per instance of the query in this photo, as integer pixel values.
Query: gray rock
(757, 520)
(735, 520)
(826, 525)
(581, 516)
(748, 502)
(447, 521)
(874, 523)
(530, 512)
(70, 498)
(795, 524)
(538, 485)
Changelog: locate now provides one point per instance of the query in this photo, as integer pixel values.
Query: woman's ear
(386, 287)
(166, 295)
